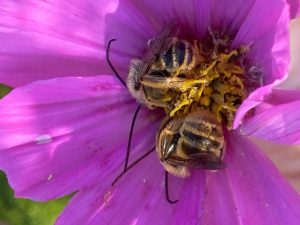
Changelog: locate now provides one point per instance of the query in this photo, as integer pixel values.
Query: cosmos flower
(64, 128)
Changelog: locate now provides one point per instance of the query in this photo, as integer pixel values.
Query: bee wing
(205, 161)
(157, 46)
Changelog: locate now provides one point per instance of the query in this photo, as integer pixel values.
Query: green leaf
(4, 90)
(26, 212)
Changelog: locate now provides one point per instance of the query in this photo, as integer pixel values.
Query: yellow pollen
(205, 72)
(181, 104)
(215, 83)
(190, 83)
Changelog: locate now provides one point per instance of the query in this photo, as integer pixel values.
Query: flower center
(216, 81)
(182, 76)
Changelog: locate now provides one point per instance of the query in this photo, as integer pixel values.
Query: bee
(187, 140)
(195, 140)
(156, 78)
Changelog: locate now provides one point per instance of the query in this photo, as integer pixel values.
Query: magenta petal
(229, 19)
(60, 135)
(249, 191)
(135, 22)
(278, 120)
(189, 207)
(254, 99)
(281, 96)
(137, 198)
(140, 196)
(266, 28)
(294, 8)
(45, 39)
(269, 50)
(260, 20)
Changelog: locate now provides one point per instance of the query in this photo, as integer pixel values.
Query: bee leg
(167, 189)
(130, 136)
(132, 165)
(111, 65)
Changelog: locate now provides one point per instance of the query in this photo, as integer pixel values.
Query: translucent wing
(157, 46)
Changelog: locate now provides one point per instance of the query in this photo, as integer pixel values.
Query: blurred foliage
(4, 90)
(25, 212)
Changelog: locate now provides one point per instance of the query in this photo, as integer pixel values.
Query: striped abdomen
(178, 54)
(193, 141)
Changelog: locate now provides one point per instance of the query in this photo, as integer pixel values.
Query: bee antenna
(167, 189)
(130, 136)
(132, 165)
(111, 65)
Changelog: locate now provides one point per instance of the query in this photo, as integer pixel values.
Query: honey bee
(156, 76)
(194, 140)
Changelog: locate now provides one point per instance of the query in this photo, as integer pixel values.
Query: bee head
(133, 81)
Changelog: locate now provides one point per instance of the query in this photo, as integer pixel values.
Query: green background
(25, 212)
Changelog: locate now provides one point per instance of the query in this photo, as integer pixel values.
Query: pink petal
(278, 120)
(269, 37)
(294, 8)
(249, 191)
(281, 96)
(134, 23)
(60, 135)
(229, 19)
(189, 208)
(45, 39)
(137, 198)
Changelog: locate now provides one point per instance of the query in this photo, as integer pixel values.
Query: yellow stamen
(183, 103)
(205, 72)
(190, 83)
(214, 81)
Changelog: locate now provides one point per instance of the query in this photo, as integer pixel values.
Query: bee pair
(190, 138)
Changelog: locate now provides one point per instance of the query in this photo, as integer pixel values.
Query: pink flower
(67, 132)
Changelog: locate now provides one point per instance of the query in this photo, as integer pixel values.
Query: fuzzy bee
(194, 139)
(156, 78)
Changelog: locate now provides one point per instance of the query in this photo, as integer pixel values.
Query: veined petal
(229, 19)
(269, 48)
(45, 39)
(249, 190)
(60, 135)
(189, 207)
(294, 8)
(135, 22)
(278, 119)
(139, 195)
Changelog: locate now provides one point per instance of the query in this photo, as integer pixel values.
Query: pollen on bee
(217, 81)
